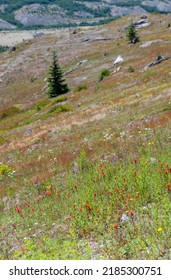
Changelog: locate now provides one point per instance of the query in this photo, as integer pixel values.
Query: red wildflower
(115, 226)
(23, 250)
(131, 212)
(32, 209)
(88, 207)
(98, 210)
(48, 193)
(116, 191)
(18, 210)
(167, 165)
(75, 186)
(3, 228)
(166, 172)
(95, 194)
(81, 209)
(168, 187)
(28, 204)
(103, 174)
(170, 169)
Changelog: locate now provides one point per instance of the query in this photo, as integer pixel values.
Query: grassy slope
(122, 122)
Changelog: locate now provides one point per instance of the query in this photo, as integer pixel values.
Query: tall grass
(101, 211)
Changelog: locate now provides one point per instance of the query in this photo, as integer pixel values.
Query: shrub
(5, 169)
(3, 49)
(58, 109)
(104, 73)
(131, 69)
(81, 87)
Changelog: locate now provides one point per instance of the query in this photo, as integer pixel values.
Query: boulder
(119, 60)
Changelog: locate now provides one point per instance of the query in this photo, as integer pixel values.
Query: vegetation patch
(59, 109)
(11, 111)
(6, 170)
(3, 49)
(104, 73)
(81, 87)
(124, 207)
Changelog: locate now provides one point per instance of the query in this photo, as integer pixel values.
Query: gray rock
(158, 60)
(141, 23)
(28, 132)
(38, 35)
(152, 159)
(118, 60)
(124, 218)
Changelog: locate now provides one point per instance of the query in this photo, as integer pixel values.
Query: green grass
(81, 87)
(105, 211)
(59, 109)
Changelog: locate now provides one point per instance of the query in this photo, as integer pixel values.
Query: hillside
(90, 170)
(31, 13)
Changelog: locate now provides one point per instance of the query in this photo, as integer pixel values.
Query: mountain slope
(56, 12)
(87, 175)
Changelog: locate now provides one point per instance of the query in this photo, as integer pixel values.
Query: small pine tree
(56, 85)
(132, 35)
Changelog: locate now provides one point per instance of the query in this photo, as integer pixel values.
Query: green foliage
(104, 73)
(59, 109)
(56, 250)
(5, 169)
(131, 69)
(3, 140)
(42, 104)
(56, 85)
(3, 49)
(81, 87)
(58, 100)
(132, 35)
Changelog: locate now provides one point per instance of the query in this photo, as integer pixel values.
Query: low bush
(104, 73)
(81, 87)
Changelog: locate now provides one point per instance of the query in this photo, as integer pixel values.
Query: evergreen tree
(132, 35)
(56, 85)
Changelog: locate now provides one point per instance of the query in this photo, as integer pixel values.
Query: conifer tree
(132, 35)
(56, 85)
